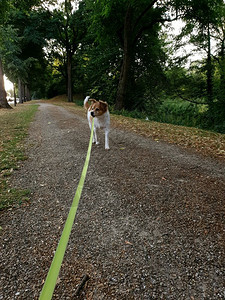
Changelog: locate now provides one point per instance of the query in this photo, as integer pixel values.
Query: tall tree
(65, 40)
(219, 36)
(131, 20)
(27, 58)
(202, 17)
(4, 6)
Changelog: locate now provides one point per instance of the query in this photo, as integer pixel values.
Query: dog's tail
(86, 105)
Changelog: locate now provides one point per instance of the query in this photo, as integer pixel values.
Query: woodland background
(123, 52)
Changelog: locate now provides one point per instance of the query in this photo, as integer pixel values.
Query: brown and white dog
(100, 112)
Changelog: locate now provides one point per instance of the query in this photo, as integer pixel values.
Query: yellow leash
(50, 282)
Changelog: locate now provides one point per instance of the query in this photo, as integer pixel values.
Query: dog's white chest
(102, 121)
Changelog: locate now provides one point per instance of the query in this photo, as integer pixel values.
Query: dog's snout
(93, 114)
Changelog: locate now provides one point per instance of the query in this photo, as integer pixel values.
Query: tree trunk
(123, 82)
(21, 90)
(3, 100)
(14, 94)
(24, 93)
(27, 91)
(69, 78)
(209, 71)
(123, 85)
(222, 72)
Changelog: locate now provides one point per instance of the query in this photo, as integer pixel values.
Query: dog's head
(97, 108)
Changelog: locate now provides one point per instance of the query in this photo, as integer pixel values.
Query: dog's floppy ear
(92, 101)
(104, 105)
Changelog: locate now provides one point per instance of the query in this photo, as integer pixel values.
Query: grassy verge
(205, 142)
(14, 126)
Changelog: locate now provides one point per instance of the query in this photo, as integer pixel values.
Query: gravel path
(150, 224)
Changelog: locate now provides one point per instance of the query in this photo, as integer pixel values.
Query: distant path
(150, 224)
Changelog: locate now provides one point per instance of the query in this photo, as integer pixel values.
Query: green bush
(179, 113)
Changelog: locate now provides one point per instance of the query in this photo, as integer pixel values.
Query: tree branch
(144, 12)
(151, 24)
(216, 58)
(192, 101)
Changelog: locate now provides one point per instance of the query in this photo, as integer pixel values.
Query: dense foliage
(120, 51)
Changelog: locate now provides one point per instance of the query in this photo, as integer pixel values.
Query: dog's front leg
(107, 139)
(95, 138)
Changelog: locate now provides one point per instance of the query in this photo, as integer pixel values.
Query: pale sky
(189, 48)
(8, 84)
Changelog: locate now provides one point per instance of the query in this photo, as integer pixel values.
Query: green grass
(14, 126)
